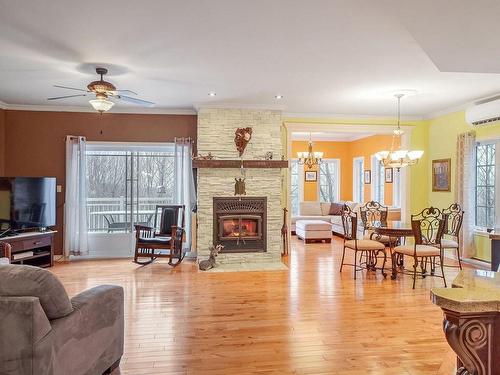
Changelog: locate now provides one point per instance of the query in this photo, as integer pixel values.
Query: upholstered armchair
(43, 332)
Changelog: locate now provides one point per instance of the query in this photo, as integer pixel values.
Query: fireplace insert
(240, 224)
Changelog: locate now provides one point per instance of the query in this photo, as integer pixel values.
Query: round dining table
(394, 230)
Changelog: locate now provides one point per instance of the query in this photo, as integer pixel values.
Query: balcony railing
(113, 214)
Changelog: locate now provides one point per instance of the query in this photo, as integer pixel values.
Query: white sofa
(320, 211)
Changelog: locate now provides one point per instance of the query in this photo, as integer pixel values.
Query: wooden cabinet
(32, 248)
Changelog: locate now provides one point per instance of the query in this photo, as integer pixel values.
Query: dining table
(397, 231)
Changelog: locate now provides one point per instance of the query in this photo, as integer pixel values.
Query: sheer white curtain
(465, 189)
(184, 191)
(75, 206)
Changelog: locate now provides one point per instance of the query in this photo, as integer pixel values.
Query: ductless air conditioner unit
(484, 112)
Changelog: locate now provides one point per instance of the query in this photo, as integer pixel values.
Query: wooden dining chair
(454, 218)
(428, 228)
(367, 247)
(373, 213)
(164, 239)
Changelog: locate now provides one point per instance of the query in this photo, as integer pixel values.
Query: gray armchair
(43, 332)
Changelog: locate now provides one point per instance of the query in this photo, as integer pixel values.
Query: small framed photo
(368, 176)
(388, 175)
(441, 175)
(311, 176)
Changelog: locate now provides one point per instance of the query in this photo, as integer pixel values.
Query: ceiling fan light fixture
(101, 104)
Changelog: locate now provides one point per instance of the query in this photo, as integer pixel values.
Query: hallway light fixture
(398, 158)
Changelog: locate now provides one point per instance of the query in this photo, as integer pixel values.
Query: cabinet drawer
(36, 242)
(16, 246)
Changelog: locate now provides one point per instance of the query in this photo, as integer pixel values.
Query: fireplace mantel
(236, 163)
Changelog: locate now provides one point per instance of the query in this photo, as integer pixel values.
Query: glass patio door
(125, 183)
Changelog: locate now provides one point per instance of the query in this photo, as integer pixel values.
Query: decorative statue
(208, 156)
(241, 138)
(205, 265)
(239, 186)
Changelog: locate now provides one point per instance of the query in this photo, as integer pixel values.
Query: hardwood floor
(308, 320)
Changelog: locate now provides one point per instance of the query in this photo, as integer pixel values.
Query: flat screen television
(27, 202)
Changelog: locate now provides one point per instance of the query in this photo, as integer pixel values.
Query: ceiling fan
(102, 91)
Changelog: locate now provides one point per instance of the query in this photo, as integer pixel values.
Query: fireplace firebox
(240, 224)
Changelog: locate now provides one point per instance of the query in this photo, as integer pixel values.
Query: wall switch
(59, 188)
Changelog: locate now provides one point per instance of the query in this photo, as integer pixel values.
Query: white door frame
(292, 127)
(354, 177)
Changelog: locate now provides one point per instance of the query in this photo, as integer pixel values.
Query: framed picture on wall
(441, 175)
(368, 176)
(388, 175)
(311, 176)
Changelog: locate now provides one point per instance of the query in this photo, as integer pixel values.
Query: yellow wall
(443, 132)
(345, 152)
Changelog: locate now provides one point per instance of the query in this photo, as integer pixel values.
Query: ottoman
(314, 230)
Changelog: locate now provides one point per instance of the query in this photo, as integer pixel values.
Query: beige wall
(2, 141)
(34, 141)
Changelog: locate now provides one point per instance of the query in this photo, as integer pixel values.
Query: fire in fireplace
(240, 224)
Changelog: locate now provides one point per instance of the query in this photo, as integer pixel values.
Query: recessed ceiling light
(211, 93)
(278, 97)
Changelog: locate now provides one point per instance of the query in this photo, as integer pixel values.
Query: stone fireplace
(250, 228)
(240, 224)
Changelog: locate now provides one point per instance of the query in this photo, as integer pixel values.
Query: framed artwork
(368, 176)
(311, 176)
(388, 175)
(441, 175)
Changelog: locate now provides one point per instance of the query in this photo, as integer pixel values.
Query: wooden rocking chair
(164, 243)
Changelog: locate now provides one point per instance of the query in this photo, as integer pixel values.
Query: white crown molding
(3, 105)
(257, 107)
(447, 111)
(342, 116)
(142, 111)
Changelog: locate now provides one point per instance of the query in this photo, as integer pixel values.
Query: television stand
(32, 248)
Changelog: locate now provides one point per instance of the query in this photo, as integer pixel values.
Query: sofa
(43, 332)
(311, 210)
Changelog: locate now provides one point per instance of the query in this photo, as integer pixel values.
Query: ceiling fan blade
(125, 92)
(64, 97)
(70, 88)
(144, 103)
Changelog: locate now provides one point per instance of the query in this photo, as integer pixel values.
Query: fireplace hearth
(240, 224)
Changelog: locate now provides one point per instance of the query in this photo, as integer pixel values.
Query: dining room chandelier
(398, 158)
(310, 158)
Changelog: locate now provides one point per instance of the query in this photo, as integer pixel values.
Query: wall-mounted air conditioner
(483, 113)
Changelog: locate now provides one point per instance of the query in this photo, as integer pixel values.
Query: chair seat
(364, 245)
(446, 243)
(422, 250)
(154, 240)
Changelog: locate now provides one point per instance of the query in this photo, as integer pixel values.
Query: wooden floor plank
(308, 320)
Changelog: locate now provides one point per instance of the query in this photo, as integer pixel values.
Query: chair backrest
(349, 223)
(170, 215)
(428, 226)
(455, 217)
(373, 212)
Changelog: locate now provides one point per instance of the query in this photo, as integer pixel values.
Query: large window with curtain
(357, 177)
(329, 180)
(295, 184)
(487, 202)
(378, 180)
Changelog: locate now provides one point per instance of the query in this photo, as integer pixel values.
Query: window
(295, 186)
(358, 184)
(125, 183)
(396, 187)
(378, 180)
(486, 162)
(329, 180)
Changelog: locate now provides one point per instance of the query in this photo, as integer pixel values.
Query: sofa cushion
(20, 280)
(297, 218)
(336, 208)
(310, 209)
(325, 208)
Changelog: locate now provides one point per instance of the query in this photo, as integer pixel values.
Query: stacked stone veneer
(216, 135)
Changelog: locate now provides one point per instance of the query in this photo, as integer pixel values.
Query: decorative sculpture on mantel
(208, 156)
(241, 138)
(205, 265)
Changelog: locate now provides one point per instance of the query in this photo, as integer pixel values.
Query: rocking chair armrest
(139, 227)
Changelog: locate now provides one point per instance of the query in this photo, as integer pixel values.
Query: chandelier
(310, 158)
(398, 158)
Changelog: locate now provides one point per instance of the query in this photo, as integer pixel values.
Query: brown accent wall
(34, 141)
(2, 140)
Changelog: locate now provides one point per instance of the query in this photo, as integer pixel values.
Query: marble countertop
(472, 291)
